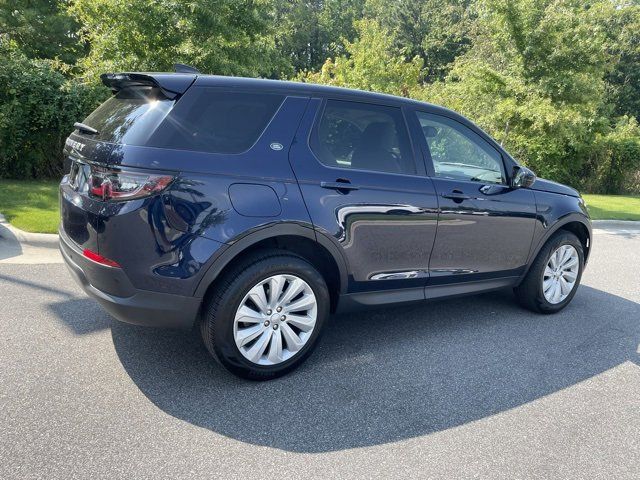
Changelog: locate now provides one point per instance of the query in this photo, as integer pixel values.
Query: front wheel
(553, 279)
(264, 318)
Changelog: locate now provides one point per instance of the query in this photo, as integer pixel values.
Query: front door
(363, 187)
(485, 227)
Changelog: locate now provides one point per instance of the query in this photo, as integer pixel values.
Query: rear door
(485, 227)
(357, 170)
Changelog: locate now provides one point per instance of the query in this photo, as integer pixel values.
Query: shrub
(613, 160)
(38, 106)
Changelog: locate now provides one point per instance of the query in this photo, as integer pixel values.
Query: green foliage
(225, 37)
(310, 31)
(38, 106)
(372, 62)
(435, 30)
(556, 81)
(621, 23)
(42, 29)
(534, 79)
(613, 160)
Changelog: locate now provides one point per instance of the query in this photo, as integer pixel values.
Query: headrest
(429, 131)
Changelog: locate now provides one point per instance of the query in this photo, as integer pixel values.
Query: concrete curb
(621, 224)
(41, 240)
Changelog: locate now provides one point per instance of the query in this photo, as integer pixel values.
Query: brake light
(125, 185)
(96, 257)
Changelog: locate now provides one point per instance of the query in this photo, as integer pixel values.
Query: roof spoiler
(171, 84)
(182, 68)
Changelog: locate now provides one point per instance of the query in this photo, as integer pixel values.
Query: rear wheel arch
(299, 240)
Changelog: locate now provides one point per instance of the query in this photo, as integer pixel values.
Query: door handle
(457, 196)
(341, 186)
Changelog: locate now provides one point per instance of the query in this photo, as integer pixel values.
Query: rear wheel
(553, 279)
(265, 317)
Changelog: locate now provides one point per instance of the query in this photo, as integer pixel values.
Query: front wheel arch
(575, 223)
(530, 292)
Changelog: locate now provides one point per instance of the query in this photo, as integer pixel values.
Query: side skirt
(367, 300)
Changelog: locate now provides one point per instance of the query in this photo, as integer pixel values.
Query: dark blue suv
(253, 209)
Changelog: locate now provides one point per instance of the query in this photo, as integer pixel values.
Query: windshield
(130, 116)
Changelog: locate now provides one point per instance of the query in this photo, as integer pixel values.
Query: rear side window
(130, 116)
(363, 136)
(211, 120)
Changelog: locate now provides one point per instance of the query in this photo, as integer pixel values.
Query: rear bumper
(113, 290)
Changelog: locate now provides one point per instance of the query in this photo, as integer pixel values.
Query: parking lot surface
(464, 388)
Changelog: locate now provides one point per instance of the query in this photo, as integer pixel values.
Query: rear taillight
(125, 185)
(96, 257)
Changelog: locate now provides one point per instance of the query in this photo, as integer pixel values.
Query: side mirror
(522, 177)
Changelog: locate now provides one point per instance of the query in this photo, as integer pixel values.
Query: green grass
(30, 205)
(613, 207)
(33, 205)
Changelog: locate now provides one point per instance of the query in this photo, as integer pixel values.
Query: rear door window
(363, 136)
(216, 121)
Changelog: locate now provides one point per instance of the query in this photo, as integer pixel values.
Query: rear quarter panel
(167, 242)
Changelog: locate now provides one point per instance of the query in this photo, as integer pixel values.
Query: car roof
(305, 88)
(170, 80)
(180, 82)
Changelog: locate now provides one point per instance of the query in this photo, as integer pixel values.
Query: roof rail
(182, 68)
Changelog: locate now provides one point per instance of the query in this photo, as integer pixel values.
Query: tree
(226, 37)
(534, 79)
(41, 29)
(310, 31)
(621, 21)
(38, 106)
(437, 31)
(372, 62)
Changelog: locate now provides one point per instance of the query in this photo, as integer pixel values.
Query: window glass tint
(364, 137)
(211, 120)
(130, 116)
(459, 153)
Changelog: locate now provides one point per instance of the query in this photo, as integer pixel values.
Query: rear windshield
(204, 119)
(130, 116)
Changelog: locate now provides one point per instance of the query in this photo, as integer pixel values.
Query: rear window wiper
(85, 128)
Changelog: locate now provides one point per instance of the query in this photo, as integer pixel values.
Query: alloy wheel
(275, 319)
(560, 274)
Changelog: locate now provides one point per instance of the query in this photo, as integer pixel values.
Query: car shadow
(385, 375)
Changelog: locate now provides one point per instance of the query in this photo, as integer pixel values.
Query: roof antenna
(182, 68)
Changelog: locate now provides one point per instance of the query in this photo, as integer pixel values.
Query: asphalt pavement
(465, 388)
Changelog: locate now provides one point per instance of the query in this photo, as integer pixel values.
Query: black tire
(218, 316)
(530, 293)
